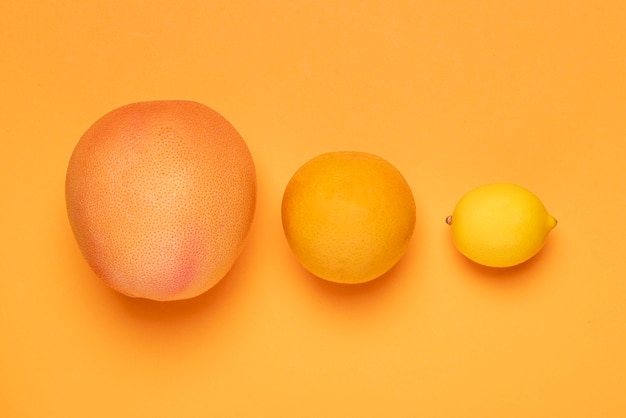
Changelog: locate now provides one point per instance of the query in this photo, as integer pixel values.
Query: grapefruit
(160, 197)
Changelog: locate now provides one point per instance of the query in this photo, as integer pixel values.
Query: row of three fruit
(161, 195)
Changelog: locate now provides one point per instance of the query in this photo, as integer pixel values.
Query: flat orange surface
(453, 93)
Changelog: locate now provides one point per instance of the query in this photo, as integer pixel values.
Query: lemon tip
(552, 222)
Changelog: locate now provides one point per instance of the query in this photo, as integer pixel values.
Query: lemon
(500, 224)
(348, 216)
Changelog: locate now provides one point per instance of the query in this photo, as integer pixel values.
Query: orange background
(453, 93)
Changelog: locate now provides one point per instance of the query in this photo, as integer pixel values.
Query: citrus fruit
(500, 224)
(160, 196)
(348, 216)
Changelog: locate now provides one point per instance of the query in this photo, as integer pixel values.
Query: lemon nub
(552, 222)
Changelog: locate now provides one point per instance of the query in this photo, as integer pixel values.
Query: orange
(348, 216)
(160, 196)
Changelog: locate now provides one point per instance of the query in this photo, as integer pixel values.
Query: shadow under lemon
(505, 277)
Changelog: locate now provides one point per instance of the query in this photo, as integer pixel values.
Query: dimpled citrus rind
(160, 196)
(348, 216)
